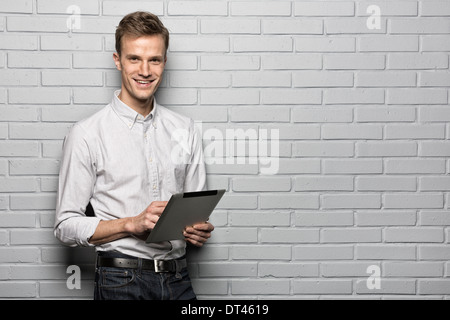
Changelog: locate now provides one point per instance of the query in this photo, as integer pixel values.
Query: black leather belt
(146, 264)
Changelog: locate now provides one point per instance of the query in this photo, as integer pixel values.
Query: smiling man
(119, 161)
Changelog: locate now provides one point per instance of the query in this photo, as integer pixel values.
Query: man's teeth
(143, 82)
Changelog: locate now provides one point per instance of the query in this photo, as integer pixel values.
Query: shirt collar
(128, 115)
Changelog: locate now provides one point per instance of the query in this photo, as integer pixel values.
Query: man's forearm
(111, 230)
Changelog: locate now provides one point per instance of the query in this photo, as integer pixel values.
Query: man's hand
(198, 234)
(146, 220)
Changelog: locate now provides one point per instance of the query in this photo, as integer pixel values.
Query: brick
(19, 6)
(120, 8)
(76, 43)
(407, 131)
(9, 42)
(385, 218)
(419, 26)
(434, 218)
(33, 166)
(323, 149)
(39, 95)
(385, 114)
(232, 269)
(328, 44)
(351, 201)
(90, 7)
(385, 79)
(413, 234)
(323, 252)
(411, 201)
(262, 44)
(322, 79)
(355, 131)
(260, 286)
(265, 252)
(16, 289)
(283, 235)
(310, 219)
(352, 166)
(210, 8)
(230, 62)
(416, 96)
(259, 219)
(265, 114)
(386, 148)
(227, 96)
(261, 79)
(353, 61)
(323, 183)
(434, 79)
(290, 96)
(321, 114)
(306, 61)
(352, 25)
(435, 8)
(387, 286)
(353, 96)
(38, 60)
(324, 8)
(376, 43)
(434, 149)
(280, 270)
(199, 44)
(19, 148)
(18, 114)
(326, 286)
(205, 79)
(18, 77)
(386, 183)
(388, 8)
(45, 131)
(234, 26)
(345, 269)
(385, 252)
(37, 24)
(261, 184)
(296, 201)
(343, 235)
(433, 286)
(234, 235)
(400, 61)
(266, 8)
(404, 166)
(435, 43)
(436, 183)
(34, 202)
(18, 185)
(19, 255)
(283, 26)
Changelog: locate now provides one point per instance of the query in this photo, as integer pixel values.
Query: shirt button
(154, 187)
(150, 160)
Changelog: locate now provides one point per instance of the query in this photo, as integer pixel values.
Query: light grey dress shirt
(121, 162)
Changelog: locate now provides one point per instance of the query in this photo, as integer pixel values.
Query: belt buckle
(157, 267)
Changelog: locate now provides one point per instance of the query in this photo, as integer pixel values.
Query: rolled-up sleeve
(75, 189)
(195, 171)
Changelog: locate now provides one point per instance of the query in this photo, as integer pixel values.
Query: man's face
(141, 62)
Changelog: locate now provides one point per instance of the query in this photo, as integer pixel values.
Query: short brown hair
(141, 23)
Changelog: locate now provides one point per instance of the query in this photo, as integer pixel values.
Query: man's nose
(145, 70)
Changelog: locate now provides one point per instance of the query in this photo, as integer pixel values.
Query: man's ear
(116, 58)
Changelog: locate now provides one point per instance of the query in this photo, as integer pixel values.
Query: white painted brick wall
(363, 176)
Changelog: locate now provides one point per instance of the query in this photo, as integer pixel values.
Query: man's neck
(142, 107)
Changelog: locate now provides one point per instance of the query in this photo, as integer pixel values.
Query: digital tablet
(184, 209)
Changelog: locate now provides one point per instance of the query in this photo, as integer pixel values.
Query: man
(120, 161)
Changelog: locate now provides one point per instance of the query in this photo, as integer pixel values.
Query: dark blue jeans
(138, 284)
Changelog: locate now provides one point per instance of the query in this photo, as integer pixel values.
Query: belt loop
(139, 268)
